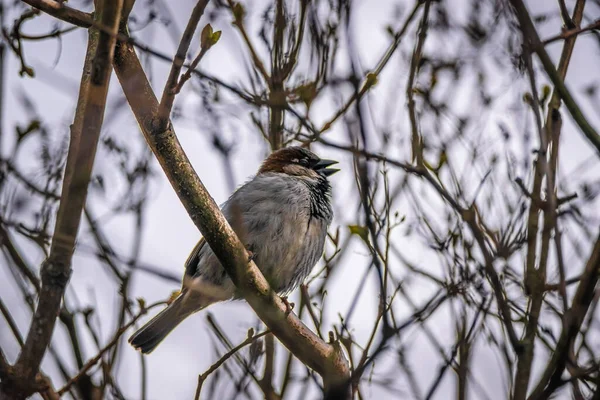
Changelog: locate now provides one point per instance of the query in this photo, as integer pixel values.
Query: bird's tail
(154, 331)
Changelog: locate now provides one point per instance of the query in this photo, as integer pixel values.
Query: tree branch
(535, 278)
(168, 95)
(572, 32)
(56, 269)
(531, 36)
(415, 62)
(92, 361)
(61, 11)
(202, 377)
(552, 376)
(326, 359)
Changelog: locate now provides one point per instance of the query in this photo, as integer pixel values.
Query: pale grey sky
(169, 234)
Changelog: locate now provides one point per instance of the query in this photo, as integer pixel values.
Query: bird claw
(288, 306)
(251, 255)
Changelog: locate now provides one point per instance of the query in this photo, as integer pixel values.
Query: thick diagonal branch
(326, 359)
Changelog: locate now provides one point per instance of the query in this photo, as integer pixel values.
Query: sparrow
(281, 215)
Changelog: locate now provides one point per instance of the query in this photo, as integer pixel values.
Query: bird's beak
(322, 165)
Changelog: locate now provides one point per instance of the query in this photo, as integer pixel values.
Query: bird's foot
(288, 306)
(251, 255)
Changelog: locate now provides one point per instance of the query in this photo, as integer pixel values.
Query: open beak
(321, 167)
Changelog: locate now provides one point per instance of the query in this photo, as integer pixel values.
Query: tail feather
(154, 331)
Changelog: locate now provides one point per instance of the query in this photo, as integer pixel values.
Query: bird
(281, 215)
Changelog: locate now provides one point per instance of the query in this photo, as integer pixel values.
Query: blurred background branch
(463, 257)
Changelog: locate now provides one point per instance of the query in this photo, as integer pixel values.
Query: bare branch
(11, 323)
(169, 92)
(56, 270)
(325, 358)
(202, 377)
(111, 343)
(552, 376)
(531, 36)
(572, 32)
(415, 61)
(60, 10)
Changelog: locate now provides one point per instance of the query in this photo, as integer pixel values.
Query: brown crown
(289, 155)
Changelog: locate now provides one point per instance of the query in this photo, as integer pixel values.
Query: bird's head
(298, 161)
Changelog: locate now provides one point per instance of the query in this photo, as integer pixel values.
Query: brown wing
(202, 293)
(191, 264)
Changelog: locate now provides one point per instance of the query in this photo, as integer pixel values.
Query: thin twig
(368, 83)
(266, 382)
(311, 312)
(572, 32)
(564, 13)
(202, 377)
(168, 95)
(53, 34)
(552, 377)
(238, 21)
(85, 20)
(11, 323)
(534, 275)
(15, 255)
(61, 11)
(415, 63)
(188, 74)
(92, 361)
(530, 34)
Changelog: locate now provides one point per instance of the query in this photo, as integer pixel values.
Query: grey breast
(271, 214)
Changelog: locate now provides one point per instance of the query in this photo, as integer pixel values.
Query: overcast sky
(170, 235)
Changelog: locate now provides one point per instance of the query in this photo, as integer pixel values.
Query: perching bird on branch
(282, 215)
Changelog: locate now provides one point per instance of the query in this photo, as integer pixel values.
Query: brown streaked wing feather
(191, 264)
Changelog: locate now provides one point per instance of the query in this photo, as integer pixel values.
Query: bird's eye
(303, 162)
